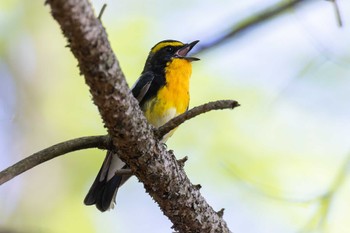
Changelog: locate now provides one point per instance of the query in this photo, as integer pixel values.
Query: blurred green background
(269, 163)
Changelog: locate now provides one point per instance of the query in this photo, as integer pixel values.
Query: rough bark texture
(157, 168)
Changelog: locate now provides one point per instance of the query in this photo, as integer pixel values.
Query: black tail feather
(106, 194)
(103, 192)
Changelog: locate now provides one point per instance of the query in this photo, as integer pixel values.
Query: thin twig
(101, 11)
(182, 161)
(250, 22)
(101, 142)
(126, 171)
(221, 212)
(175, 122)
(337, 13)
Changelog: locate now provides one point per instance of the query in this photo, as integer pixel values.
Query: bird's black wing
(142, 86)
(147, 86)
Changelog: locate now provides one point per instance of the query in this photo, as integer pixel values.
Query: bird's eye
(170, 49)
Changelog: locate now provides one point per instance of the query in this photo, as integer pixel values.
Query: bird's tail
(104, 189)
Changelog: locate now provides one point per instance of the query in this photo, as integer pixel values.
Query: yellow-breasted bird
(163, 93)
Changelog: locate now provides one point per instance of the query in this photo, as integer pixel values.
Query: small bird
(163, 93)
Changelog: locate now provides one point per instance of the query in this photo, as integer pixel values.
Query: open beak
(182, 52)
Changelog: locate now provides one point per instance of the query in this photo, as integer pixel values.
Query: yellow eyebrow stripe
(163, 44)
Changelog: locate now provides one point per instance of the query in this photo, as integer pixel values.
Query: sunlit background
(269, 163)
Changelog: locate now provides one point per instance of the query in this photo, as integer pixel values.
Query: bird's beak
(182, 52)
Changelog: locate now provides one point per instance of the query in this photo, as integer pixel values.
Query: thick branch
(42, 156)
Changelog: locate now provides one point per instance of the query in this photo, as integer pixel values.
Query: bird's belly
(159, 118)
(159, 111)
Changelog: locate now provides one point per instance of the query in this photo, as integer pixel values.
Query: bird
(162, 91)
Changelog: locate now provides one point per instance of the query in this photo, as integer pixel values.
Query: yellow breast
(173, 98)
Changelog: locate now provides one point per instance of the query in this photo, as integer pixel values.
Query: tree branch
(337, 13)
(103, 141)
(99, 17)
(175, 122)
(250, 22)
(125, 171)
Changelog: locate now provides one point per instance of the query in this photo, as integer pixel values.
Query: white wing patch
(115, 166)
(110, 166)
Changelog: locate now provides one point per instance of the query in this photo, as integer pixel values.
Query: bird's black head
(165, 51)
